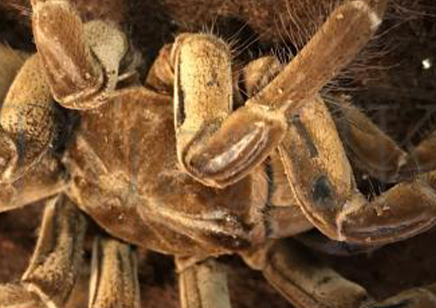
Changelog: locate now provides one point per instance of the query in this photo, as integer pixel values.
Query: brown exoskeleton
(201, 178)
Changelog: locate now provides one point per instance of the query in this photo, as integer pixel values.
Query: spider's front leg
(219, 147)
(82, 61)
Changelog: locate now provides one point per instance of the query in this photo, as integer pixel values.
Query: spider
(201, 178)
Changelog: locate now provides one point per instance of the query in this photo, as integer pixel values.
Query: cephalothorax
(201, 178)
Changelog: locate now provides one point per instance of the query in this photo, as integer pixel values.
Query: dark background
(388, 81)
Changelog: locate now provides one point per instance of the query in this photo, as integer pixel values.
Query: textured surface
(399, 93)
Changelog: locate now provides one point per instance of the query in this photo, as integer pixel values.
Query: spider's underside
(192, 181)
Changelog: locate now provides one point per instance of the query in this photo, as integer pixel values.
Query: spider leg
(217, 146)
(114, 281)
(375, 152)
(27, 121)
(347, 30)
(82, 61)
(304, 280)
(370, 149)
(52, 272)
(420, 158)
(284, 216)
(160, 77)
(422, 297)
(27, 173)
(46, 179)
(203, 285)
(323, 183)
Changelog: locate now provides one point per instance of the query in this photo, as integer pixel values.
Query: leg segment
(114, 281)
(203, 285)
(375, 152)
(27, 127)
(367, 146)
(81, 60)
(27, 121)
(324, 186)
(303, 280)
(285, 218)
(347, 30)
(52, 272)
(219, 148)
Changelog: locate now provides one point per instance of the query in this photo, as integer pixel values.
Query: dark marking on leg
(324, 280)
(270, 174)
(302, 131)
(322, 190)
(213, 81)
(22, 145)
(180, 103)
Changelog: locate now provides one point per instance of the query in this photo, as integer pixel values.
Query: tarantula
(202, 178)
